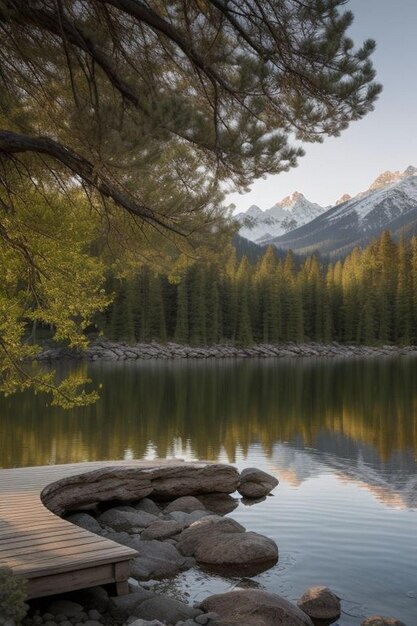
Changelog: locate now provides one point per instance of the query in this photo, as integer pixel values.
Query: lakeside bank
(106, 350)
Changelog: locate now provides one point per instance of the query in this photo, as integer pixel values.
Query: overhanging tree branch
(15, 143)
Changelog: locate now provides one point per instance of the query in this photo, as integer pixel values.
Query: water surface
(341, 436)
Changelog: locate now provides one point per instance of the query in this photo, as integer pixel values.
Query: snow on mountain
(389, 203)
(291, 212)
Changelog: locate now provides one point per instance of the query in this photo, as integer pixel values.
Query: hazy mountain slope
(284, 216)
(390, 203)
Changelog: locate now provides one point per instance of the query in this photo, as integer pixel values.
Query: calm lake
(341, 436)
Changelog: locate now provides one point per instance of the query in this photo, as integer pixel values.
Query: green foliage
(370, 297)
(48, 278)
(12, 597)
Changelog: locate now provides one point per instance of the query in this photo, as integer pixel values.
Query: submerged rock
(320, 603)
(254, 608)
(254, 483)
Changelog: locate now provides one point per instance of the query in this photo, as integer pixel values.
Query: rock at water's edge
(320, 603)
(254, 608)
(255, 483)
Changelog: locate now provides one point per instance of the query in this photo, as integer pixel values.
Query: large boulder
(151, 606)
(224, 544)
(254, 608)
(320, 603)
(378, 620)
(127, 519)
(254, 483)
(129, 483)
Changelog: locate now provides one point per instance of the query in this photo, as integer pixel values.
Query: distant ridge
(390, 203)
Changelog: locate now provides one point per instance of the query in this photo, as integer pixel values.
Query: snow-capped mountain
(390, 203)
(291, 212)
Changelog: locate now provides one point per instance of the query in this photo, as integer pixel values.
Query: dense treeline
(369, 297)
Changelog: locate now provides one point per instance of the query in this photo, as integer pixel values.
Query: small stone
(378, 620)
(50, 623)
(255, 483)
(94, 614)
(65, 607)
(92, 622)
(94, 598)
(66, 623)
(48, 617)
(162, 530)
(85, 521)
(320, 603)
(147, 505)
(60, 618)
(37, 619)
(205, 618)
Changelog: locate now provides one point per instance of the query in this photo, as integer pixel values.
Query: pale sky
(385, 139)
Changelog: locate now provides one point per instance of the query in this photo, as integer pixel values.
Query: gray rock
(254, 483)
(186, 519)
(166, 610)
(147, 505)
(145, 622)
(92, 622)
(49, 616)
(123, 607)
(126, 520)
(254, 608)
(187, 504)
(64, 607)
(156, 559)
(223, 543)
(165, 481)
(320, 603)
(151, 606)
(95, 598)
(219, 503)
(378, 620)
(48, 623)
(85, 521)
(94, 614)
(162, 529)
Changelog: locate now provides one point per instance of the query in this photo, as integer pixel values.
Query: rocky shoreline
(175, 519)
(105, 350)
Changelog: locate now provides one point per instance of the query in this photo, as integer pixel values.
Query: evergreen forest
(369, 297)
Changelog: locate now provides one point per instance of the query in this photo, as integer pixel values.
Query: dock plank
(53, 554)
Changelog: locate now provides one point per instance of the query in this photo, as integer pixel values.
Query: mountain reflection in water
(341, 436)
(357, 417)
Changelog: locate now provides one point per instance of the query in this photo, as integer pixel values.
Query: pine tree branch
(15, 143)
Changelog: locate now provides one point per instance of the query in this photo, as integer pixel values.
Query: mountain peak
(345, 198)
(385, 179)
(290, 201)
(410, 171)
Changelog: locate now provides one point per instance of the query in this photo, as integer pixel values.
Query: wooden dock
(53, 554)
